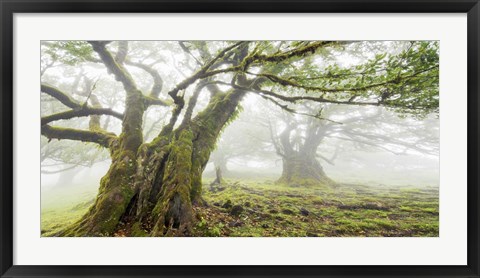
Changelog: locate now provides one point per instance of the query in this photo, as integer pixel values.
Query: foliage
(70, 52)
(406, 81)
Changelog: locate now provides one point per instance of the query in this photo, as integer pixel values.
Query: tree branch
(60, 96)
(186, 50)
(157, 79)
(118, 70)
(81, 112)
(320, 99)
(290, 83)
(121, 52)
(155, 101)
(104, 139)
(279, 57)
(203, 72)
(59, 171)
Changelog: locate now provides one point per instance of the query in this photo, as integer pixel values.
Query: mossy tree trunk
(169, 175)
(220, 162)
(299, 156)
(301, 169)
(218, 177)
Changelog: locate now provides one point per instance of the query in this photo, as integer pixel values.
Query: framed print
(239, 138)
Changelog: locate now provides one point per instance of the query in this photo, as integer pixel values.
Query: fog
(389, 150)
(358, 144)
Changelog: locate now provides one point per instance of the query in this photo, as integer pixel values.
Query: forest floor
(249, 208)
(242, 208)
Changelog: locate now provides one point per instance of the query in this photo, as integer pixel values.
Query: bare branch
(118, 70)
(155, 101)
(60, 96)
(80, 112)
(157, 79)
(122, 52)
(186, 50)
(104, 139)
(203, 72)
(48, 172)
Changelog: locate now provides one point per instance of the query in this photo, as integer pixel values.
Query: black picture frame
(10, 7)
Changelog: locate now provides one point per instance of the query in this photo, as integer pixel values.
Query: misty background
(364, 145)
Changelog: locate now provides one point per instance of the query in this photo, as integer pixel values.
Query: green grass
(63, 206)
(346, 211)
(270, 210)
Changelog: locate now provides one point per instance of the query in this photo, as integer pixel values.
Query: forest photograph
(239, 138)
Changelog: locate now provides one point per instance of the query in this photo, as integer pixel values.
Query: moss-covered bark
(207, 127)
(300, 165)
(173, 210)
(116, 191)
(303, 170)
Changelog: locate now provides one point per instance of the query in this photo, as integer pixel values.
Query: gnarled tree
(300, 137)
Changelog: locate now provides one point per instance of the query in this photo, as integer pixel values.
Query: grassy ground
(264, 209)
(62, 206)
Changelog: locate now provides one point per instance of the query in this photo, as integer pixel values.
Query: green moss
(263, 216)
(304, 182)
(102, 138)
(222, 110)
(138, 231)
(115, 192)
(202, 228)
(158, 142)
(174, 206)
(132, 135)
(301, 170)
(264, 204)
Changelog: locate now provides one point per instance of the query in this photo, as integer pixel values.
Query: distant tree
(300, 138)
